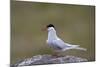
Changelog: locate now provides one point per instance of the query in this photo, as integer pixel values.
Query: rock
(48, 59)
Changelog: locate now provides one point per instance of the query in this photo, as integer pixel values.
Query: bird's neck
(52, 34)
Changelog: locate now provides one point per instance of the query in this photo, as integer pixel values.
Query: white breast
(52, 34)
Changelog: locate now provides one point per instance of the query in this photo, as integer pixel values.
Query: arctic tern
(58, 44)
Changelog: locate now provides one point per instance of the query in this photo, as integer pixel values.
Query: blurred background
(75, 24)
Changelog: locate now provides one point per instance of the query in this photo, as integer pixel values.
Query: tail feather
(72, 45)
(69, 46)
(80, 48)
(77, 47)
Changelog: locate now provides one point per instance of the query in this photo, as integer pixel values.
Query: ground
(48, 59)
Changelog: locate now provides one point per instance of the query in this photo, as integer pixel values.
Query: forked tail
(68, 47)
(80, 48)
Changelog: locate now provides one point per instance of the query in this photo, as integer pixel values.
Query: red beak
(44, 29)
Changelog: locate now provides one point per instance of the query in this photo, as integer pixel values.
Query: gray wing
(59, 44)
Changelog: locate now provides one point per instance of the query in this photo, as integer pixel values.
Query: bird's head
(48, 27)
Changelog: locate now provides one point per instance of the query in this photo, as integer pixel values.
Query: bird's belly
(49, 42)
(53, 45)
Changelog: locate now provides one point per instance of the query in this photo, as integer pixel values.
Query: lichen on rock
(48, 59)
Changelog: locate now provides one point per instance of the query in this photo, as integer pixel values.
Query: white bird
(58, 44)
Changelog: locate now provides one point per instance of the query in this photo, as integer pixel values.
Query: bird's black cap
(50, 25)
